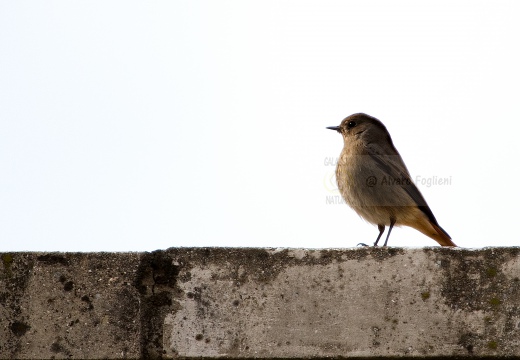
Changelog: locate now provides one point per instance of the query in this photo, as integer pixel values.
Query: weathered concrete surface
(261, 303)
(69, 305)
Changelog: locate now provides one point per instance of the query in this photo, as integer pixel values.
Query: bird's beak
(334, 128)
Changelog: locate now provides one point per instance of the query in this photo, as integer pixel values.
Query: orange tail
(428, 228)
(441, 236)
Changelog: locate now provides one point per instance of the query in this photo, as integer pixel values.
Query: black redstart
(375, 182)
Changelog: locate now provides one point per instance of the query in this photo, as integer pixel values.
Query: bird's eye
(351, 124)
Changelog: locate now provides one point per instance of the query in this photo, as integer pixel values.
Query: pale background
(145, 125)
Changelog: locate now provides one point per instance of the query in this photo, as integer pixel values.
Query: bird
(374, 181)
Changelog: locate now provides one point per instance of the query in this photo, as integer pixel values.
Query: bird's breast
(367, 188)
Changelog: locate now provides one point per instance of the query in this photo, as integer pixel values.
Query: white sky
(145, 125)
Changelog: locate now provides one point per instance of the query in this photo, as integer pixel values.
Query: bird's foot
(362, 244)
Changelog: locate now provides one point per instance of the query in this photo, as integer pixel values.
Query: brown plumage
(374, 181)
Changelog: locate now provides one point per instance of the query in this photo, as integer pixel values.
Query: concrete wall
(261, 303)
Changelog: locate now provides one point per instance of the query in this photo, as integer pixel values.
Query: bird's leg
(392, 223)
(381, 228)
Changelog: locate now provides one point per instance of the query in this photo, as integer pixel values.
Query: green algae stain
(491, 272)
(495, 301)
(7, 259)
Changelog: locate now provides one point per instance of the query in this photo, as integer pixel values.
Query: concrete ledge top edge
(270, 249)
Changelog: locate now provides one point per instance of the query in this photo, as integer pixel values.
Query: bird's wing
(391, 163)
